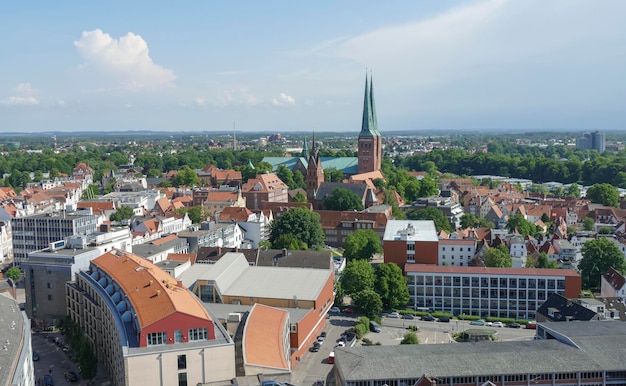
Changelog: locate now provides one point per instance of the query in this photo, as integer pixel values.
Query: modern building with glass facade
(483, 291)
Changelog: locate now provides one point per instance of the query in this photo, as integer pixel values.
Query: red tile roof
(263, 337)
(153, 293)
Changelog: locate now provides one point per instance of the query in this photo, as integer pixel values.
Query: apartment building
(264, 188)
(407, 242)
(455, 251)
(503, 292)
(145, 327)
(6, 241)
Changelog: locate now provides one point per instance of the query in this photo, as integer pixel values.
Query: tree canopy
(344, 200)
(122, 213)
(391, 286)
(598, 256)
(14, 273)
(469, 220)
(362, 244)
(519, 223)
(410, 338)
(357, 276)
(302, 223)
(605, 194)
(441, 221)
(368, 302)
(497, 257)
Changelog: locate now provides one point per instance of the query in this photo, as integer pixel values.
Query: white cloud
(60, 103)
(127, 59)
(19, 101)
(25, 96)
(200, 101)
(283, 100)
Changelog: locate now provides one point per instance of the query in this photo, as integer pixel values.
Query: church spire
(305, 150)
(368, 125)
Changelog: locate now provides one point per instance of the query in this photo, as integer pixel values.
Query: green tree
(14, 273)
(122, 213)
(285, 176)
(410, 338)
(333, 175)
(153, 173)
(301, 222)
(573, 190)
(523, 226)
(361, 244)
(543, 261)
(343, 199)
(598, 256)
(91, 192)
(298, 180)
(197, 214)
(428, 187)
(368, 302)
(299, 197)
(290, 242)
(165, 184)
(357, 276)
(588, 224)
(391, 285)
(605, 194)
(441, 221)
(496, 257)
(186, 177)
(469, 220)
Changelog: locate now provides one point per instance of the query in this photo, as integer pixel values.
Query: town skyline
(436, 66)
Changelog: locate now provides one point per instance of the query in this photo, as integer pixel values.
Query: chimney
(284, 252)
(179, 283)
(158, 292)
(150, 282)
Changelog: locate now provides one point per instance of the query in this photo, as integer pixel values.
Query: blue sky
(281, 66)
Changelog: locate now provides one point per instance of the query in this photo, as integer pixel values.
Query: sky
(280, 66)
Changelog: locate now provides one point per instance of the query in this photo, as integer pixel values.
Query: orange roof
(191, 257)
(228, 174)
(153, 293)
(98, 207)
(235, 213)
(269, 182)
(152, 225)
(165, 239)
(183, 199)
(219, 196)
(263, 337)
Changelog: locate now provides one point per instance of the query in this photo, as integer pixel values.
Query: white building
(456, 251)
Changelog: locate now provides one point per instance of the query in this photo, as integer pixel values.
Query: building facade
(409, 242)
(36, 232)
(146, 328)
(502, 292)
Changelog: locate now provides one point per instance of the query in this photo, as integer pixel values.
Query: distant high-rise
(370, 140)
(594, 140)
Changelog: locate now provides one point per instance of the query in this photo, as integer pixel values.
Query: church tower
(314, 173)
(370, 140)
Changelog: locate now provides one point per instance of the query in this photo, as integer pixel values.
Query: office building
(503, 292)
(592, 141)
(16, 352)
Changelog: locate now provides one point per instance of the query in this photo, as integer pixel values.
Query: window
(50, 297)
(198, 333)
(49, 285)
(182, 362)
(156, 338)
(182, 379)
(178, 336)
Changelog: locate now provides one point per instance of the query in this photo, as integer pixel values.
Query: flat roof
(428, 268)
(410, 230)
(601, 346)
(11, 335)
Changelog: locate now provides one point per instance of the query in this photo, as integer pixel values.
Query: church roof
(347, 165)
(369, 125)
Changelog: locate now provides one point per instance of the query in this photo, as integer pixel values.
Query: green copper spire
(368, 125)
(305, 150)
(373, 106)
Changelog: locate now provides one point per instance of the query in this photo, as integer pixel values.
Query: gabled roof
(165, 239)
(153, 293)
(557, 308)
(97, 207)
(221, 196)
(264, 183)
(234, 213)
(183, 199)
(223, 175)
(615, 279)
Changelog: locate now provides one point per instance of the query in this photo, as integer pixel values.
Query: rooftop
(11, 336)
(410, 230)
(427, 268)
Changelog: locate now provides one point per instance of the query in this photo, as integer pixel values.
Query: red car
(349, 311)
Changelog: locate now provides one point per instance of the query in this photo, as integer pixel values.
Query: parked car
(35, 356)
(444, 319)
(349, 311)
(489, 324)
(341, 344)
(428, 318)
(514, 325)
(374, 327)
(315, 348)
(323, 334)
(334, 310)
(71, 376)
(320, 339)
(498, 324)
(47, 380)
(408, 316)
(394, 315)
(271, 382)
(478, 322)
(531, 325)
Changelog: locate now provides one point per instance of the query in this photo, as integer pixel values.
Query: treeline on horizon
(503, 157)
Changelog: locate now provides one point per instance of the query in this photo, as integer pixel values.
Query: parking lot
(314, 366)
